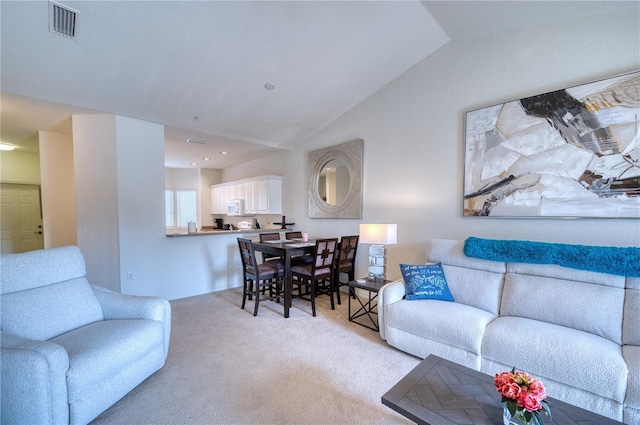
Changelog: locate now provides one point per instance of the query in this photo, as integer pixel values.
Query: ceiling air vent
(62, 20)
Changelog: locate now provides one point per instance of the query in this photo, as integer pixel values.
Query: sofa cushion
(43, 267)
(454, 324)
(579, 305)
(631, 355)
(632, 283)
(631, 320)
(48, 311)
(559, 272)
(477, 288)
(451, 252)
(424, 282)
(99, 351)
(580, 359)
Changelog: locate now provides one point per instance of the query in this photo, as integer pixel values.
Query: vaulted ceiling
(247, 77)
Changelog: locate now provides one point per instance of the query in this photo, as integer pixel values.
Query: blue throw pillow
(425, 282)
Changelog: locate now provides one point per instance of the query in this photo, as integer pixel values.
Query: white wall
(19, 167)
(96, 174)
(120, 182)
(413, 131)
(58, 189)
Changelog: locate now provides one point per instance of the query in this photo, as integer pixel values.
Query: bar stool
(317, 276)
(259, 277)
(345, 262)
(275, 236)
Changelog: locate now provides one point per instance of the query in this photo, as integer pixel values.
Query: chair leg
(313, 297)
(245, 287)
(250, 291)
(352, 277)
(337, 287)
(278, 290)
(257, 295)
(331, 288)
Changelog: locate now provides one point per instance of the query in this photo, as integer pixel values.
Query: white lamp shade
(379, 234)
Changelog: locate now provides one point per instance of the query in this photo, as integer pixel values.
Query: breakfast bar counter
(222, 232)
(206, 261)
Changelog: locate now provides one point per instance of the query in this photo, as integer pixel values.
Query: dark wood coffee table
(440, 392)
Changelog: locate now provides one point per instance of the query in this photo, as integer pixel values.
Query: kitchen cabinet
(235, 191)
(261, 195)
(218, 199)
(250, 197)
(268, 196)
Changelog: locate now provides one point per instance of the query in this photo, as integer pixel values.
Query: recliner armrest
(34, 382)
(124, 306)
(388, 294)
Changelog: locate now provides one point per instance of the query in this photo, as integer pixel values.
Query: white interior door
(20, 218)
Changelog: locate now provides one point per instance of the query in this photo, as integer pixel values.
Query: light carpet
(226, 366)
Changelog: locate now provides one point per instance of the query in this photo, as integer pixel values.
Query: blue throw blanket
(603, 259)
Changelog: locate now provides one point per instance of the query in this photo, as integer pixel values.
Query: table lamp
(378, 235)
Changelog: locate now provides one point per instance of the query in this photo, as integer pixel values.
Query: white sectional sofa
(578, 331)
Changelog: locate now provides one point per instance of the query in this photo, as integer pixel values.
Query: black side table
(369, 307)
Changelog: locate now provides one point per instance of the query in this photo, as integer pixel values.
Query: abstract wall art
(573, 152)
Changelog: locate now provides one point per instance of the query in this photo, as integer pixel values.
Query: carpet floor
(226, 366)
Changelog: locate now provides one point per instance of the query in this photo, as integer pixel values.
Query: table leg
(368, 309)
(287, 283)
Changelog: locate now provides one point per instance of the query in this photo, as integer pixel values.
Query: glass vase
(507, 419)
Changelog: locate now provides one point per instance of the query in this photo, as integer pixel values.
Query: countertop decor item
(283, 223)
(523, 397)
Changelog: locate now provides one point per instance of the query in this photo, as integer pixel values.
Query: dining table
(286, 249)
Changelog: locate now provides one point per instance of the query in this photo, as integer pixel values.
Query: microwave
(235, 207)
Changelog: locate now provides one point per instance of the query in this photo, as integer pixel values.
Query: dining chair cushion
(305, 270)
(270, 269)
(345, 265)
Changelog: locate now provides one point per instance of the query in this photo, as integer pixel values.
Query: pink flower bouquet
(524, 396)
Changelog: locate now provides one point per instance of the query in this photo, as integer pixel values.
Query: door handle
(37, 233)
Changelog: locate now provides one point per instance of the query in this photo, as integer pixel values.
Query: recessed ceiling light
(224, 153)
(194, 163)
(269, 86)
(206, 159)
(6, 147)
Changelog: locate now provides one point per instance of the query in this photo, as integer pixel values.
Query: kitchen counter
(220, 232)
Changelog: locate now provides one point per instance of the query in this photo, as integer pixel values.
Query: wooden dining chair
(307, 258)
(259, 277)
(345, 262)
(275, 236)
(317, 276)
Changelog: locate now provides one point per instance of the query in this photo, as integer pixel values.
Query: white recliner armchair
(70, 350)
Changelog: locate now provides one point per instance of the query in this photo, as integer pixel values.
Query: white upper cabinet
(261, 195)
(218, 199)
(268, 196)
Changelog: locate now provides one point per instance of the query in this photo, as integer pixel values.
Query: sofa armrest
(123, 306)
(34, 381)
(388, 294)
